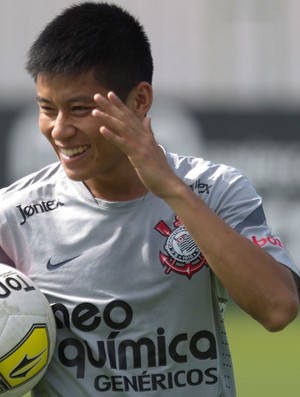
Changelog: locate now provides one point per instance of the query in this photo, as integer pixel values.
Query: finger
(107, 112)
(103, 103)
(112, 136)
(147, 123)
(113, 98)
(108, 121)
(111, 103)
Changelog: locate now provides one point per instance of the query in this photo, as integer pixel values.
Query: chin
(74, 176)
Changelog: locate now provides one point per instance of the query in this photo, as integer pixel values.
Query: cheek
(46, 130)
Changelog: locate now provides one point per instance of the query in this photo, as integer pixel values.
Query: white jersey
(138, 310)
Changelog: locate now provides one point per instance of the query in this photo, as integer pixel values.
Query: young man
(135, 248)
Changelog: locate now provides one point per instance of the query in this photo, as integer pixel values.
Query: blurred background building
(227, 84)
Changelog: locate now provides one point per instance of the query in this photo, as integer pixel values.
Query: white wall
(211, 51)
(206, 52)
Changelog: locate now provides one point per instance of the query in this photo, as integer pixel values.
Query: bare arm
(258, 284)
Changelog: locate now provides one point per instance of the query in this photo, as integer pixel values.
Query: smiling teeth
(73, 152)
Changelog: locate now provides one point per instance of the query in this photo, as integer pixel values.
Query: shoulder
(225, 189)
(40, 191)
(192, 168)
(40, 182)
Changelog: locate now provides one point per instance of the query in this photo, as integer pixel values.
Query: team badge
(182, 255)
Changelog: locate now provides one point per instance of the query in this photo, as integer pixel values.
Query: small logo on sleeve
(269, 240)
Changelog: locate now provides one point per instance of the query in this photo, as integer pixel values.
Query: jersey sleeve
(6, 238)
(241, 207)
(4, 258)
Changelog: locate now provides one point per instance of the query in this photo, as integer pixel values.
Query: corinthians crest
(183, 255)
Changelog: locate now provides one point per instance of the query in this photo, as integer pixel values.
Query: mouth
(69, 153)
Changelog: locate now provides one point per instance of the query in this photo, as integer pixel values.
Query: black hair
(94, 36)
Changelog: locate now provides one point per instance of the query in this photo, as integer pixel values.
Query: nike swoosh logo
(22, 369)
(53, 266)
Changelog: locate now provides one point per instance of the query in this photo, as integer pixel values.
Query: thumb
(147, 123)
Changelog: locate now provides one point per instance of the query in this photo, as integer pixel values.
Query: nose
(62, 128)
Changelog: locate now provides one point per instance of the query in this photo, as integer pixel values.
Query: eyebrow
(80, 98)
(41, 99)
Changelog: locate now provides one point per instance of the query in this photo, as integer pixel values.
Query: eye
(46, 109)
(80, 109)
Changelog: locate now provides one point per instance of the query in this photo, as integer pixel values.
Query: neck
(122, 189)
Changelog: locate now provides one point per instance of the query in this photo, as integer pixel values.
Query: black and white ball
(27, 333)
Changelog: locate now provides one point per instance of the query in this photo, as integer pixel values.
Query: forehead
(63, 87)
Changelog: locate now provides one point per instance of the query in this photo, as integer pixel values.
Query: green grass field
(266, 364)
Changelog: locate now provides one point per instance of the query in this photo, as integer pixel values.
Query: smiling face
(66, 120)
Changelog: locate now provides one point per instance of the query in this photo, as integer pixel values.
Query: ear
(140, 99)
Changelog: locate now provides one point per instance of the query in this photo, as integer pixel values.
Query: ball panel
(27, 331)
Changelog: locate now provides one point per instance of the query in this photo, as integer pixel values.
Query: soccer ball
(27, 333)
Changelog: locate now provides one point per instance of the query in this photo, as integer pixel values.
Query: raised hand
(132, 133)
